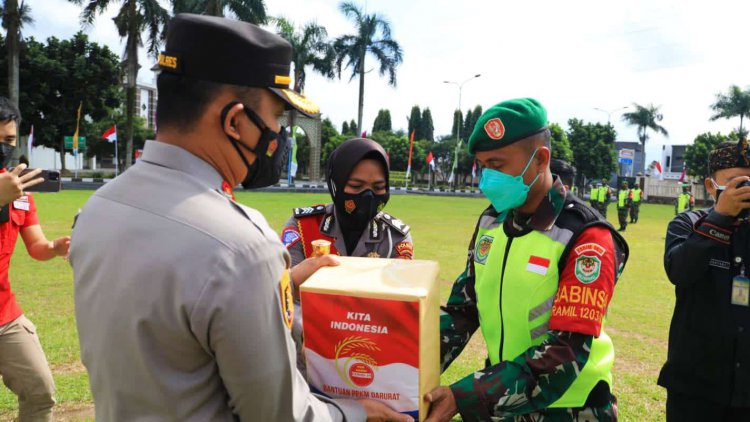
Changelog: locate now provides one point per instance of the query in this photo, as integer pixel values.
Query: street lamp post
(610, 112)
(458, 126)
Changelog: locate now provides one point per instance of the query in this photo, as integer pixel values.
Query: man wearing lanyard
(707, 373)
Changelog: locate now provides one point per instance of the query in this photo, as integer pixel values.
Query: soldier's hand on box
(302, 271)
(379, 412)
(443, 404)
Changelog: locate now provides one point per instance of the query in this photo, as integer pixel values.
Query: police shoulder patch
(397, 224)
(482, 249)
(306, 211)
(290, 236)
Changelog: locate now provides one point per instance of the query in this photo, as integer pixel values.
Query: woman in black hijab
(357, 179)
(355, 224)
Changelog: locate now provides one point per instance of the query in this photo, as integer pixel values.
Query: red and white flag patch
(538, 265)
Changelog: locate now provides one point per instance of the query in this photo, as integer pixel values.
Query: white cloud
(573, 56)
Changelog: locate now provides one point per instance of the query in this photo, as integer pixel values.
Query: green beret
(506, 123)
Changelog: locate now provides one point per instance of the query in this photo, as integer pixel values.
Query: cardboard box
(372, 330)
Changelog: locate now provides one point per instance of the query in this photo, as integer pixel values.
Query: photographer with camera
(707, 373)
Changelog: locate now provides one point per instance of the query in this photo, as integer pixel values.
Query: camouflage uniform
(521, 389)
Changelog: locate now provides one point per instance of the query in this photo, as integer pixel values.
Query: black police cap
(232, 52)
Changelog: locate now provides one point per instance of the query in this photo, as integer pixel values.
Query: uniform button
(740, 329)
(738, 259)
(737, 364)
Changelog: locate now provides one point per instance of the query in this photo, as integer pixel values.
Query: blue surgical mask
(504, 191)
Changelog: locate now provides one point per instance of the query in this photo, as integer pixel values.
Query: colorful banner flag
(31, 142)
(111, 134)
(75, 135)
(363, 135)
(474, 169)
(411, 145)
(682, 176)
(431, 161)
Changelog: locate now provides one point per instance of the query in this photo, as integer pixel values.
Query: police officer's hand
(12, 184)
(302, 271)
(733, 199)
(61, 246)
(379, 412)
(443, 405)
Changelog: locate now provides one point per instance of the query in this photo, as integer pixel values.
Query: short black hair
(9, 111)
(542, 138)
(182, 100)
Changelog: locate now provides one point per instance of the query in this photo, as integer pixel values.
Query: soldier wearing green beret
(623, 205)
(540, 273)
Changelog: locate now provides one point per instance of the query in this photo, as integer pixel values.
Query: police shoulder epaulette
(394, 222)
(307, 211)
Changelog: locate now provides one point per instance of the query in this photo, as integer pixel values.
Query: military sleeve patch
(586, 284)
(290, 236)
(305, 211)
(287, 300)
(405, 250)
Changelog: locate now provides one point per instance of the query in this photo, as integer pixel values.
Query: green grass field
(638, 318)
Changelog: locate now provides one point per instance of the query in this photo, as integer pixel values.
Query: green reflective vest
(636, 194)
(682, 202)
(515, 295)
(622, 198)
(594, 195)
(603, 194)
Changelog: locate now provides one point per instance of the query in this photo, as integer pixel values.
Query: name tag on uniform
(21, 205)
(741, 291)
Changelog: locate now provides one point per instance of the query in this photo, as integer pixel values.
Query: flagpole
(117, 159)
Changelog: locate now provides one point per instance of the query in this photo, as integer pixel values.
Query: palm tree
(14, 17)
(135, 19)
(373, 35)
(310, 47)
(253, 11)
(645, 118)
(734, 103)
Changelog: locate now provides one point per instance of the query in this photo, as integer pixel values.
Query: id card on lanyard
(741, 289)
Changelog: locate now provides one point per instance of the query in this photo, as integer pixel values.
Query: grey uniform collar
(176, 158)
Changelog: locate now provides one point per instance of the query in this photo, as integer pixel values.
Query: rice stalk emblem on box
(357, 370)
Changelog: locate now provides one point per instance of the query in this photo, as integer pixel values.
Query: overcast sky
(573, 56)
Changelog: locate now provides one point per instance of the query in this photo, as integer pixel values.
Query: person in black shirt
(707, 258)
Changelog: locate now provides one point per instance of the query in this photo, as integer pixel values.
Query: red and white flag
(431, 161)
(538, 265)
(474, 170)
(111, 134)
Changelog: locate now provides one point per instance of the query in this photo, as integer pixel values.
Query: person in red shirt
(23, 366)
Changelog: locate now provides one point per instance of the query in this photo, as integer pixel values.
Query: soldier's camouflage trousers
(606, 413)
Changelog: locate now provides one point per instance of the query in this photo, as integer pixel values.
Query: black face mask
(6, 153)
(268, 165)
(356, 210)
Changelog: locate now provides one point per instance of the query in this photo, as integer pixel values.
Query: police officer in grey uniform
(183, 296)
(355, 224)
